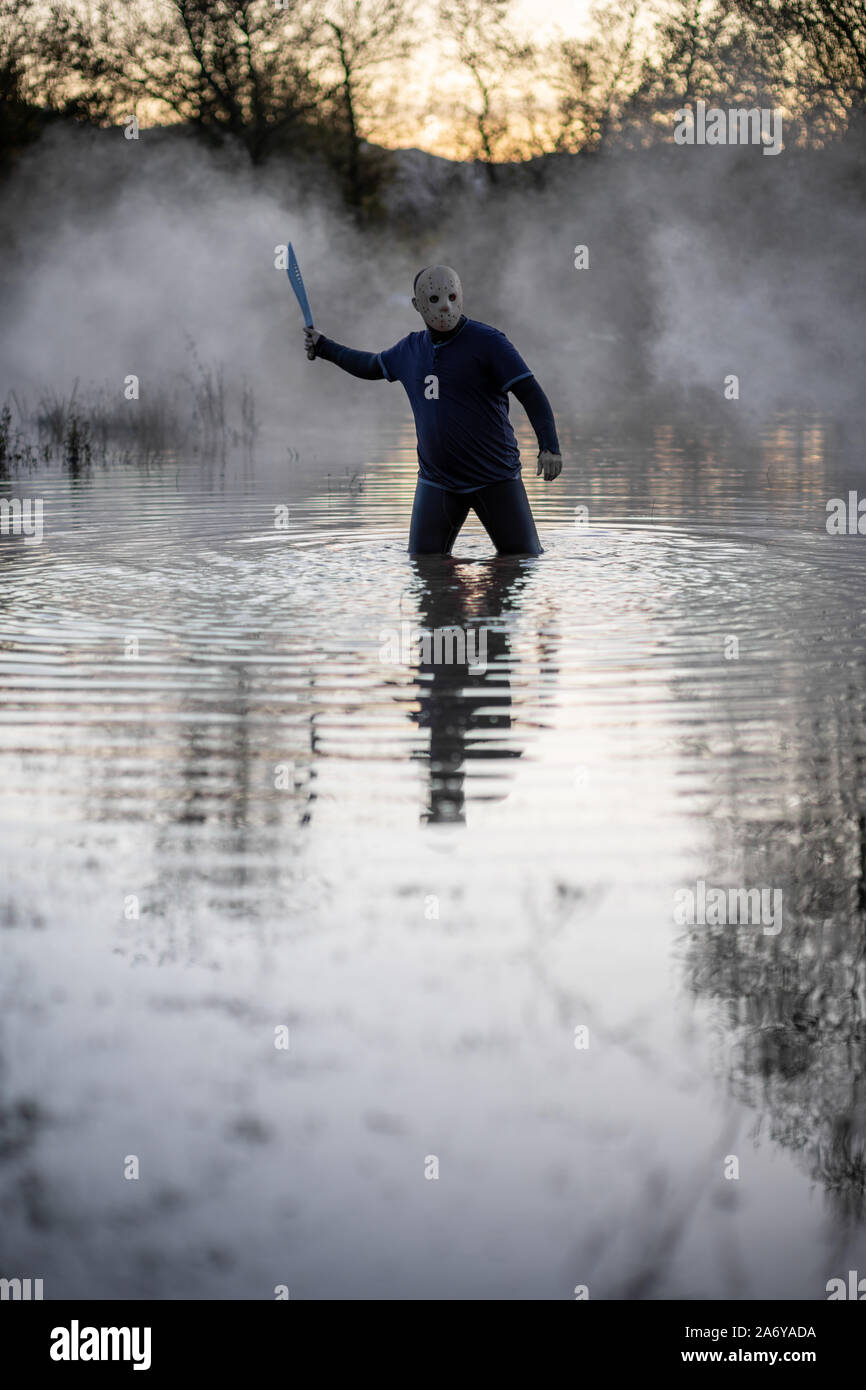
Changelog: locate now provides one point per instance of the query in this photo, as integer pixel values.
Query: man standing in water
(457, 375)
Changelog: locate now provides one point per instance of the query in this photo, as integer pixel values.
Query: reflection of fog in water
(793, 1007)
(282, 803)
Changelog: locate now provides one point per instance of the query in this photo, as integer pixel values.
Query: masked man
(457, 375)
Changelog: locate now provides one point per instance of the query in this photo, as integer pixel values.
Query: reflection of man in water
(468, 711)
(457, 374)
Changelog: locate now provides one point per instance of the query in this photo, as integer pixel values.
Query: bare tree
(25, 97)
(499, 67)
(808, 56)
(14, 17)
(356, 40)
(228, 67)
(594, 78)
(823, 43)
(699, 49)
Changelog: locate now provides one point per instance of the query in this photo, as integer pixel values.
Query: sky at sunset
(420, 111)
(424, 115)
(571, 16)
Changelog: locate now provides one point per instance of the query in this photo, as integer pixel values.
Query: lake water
(236, 798)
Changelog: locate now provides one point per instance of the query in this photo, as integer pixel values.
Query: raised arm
(363, 364)
(537, 408)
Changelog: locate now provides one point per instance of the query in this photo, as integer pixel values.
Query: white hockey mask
(439, 298)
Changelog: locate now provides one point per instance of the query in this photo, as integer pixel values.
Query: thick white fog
(703, 262)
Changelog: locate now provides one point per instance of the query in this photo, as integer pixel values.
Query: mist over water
(458, 868)
(702, 262)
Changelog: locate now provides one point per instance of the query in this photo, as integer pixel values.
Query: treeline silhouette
(339, 81)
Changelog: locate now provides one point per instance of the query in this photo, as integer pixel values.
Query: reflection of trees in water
(794, 1005)
(224, 835)
(707, 461)
(468, 712)
(226, 778)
